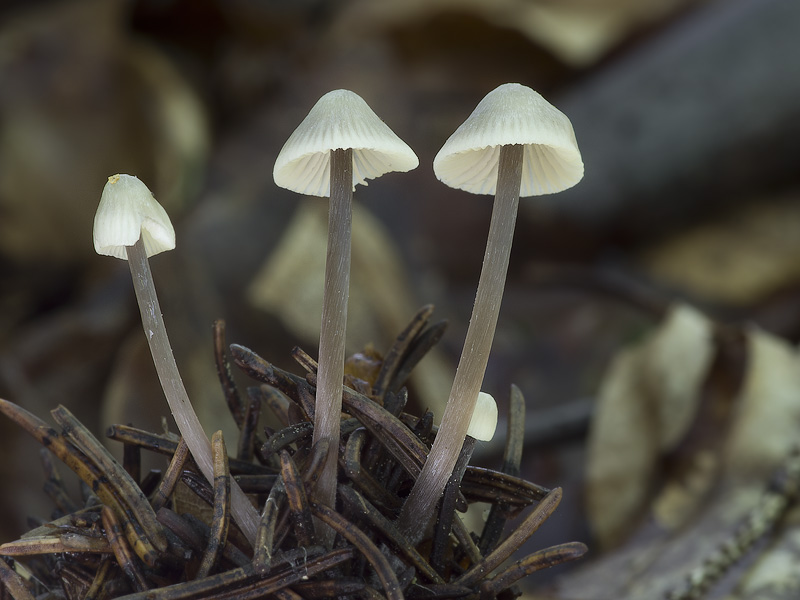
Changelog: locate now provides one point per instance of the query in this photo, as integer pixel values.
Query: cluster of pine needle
(169, 536)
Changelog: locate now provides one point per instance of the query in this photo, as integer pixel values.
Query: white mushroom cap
(484, 418)
(512, 114)
(128, 211)
(339, 120)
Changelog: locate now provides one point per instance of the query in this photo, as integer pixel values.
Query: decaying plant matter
(130, 538)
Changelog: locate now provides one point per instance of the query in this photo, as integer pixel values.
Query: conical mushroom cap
(339, 120)
(128, 211)
(512, 114)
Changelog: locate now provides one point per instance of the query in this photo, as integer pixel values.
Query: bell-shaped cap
(512, 114)
(128, 211)
(339, 120)
(484, 418)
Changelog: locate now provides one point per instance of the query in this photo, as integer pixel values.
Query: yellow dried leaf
(767, 419)
(577, 31)
(646, 405)
(622, 450)
(123, 103)
(723, 505)
(677, 358)
(681, 498)
(290, 286)
(739, 259)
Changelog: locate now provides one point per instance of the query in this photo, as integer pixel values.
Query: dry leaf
(645, 406)
(681, 498)
(622, 450)
(289, 286)
(577, 31)
(90, 102)
(290, 283)
(739, 259)
(767, 419)
(745, 486)
(677, 358)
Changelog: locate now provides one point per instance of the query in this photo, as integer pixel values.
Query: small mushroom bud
(481, 428)
(131, 225)
(483, 423)
(514, 143)
(339, 144)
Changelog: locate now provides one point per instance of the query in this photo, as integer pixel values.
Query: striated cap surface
(339, 120)
(128, 211)
(512, 114)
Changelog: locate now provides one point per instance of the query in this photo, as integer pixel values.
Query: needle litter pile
(134, 536)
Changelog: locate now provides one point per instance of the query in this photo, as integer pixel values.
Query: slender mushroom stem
(475, 355)
(242, 510)
(317, 159)
(327, 412)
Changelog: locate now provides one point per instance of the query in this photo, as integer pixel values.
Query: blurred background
(687, 113)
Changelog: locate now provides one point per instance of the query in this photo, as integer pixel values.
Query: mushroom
(339, 144)
(513, 144)
(131, 225)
